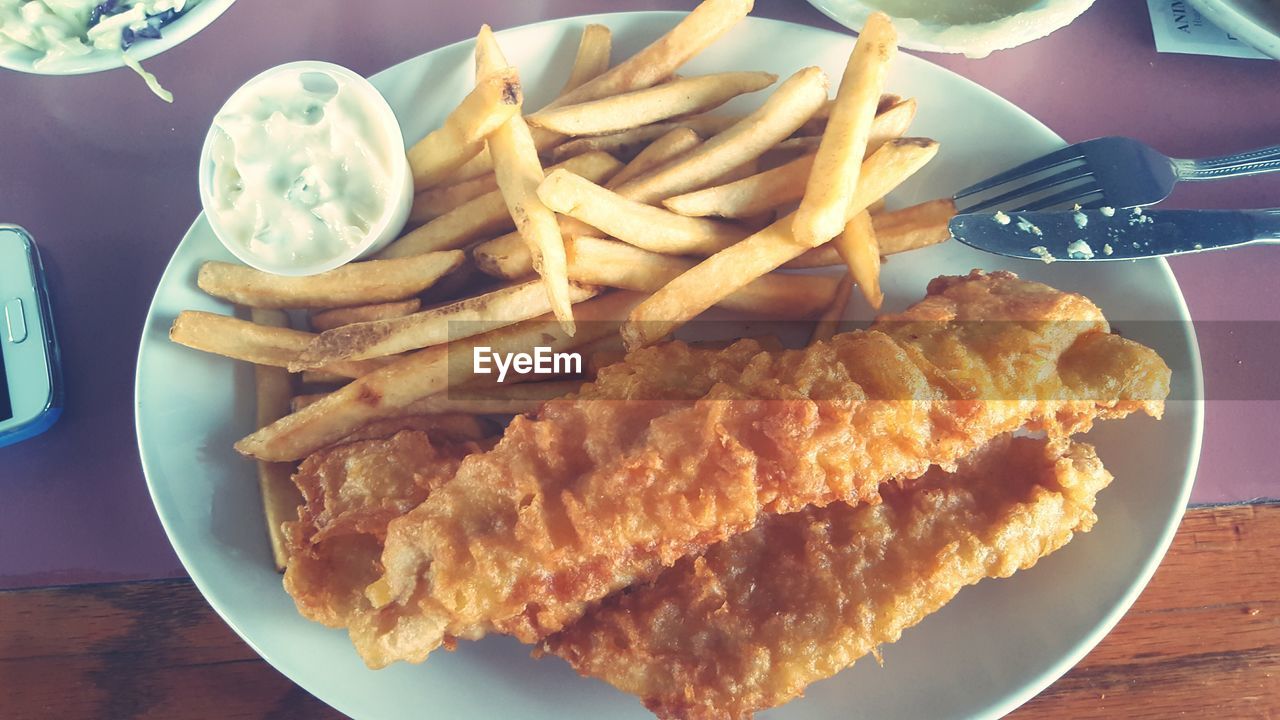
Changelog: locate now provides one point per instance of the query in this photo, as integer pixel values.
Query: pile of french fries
(607, 219)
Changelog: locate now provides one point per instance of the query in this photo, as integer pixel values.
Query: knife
(1113, 234)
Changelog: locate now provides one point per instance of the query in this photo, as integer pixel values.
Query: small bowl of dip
(74, 37)
(975, 28)
(304, 170)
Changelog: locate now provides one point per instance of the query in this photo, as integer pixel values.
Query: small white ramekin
(394, 215)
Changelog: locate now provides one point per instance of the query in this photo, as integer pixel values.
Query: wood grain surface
(1202, 641)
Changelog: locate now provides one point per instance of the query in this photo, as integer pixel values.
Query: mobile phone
(30, 369)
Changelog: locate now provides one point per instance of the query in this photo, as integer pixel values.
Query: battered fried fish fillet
(751, 623)
(350, 493)
(676, 449)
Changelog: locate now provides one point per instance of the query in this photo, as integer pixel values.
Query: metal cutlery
(1114, 234)
(1112, 171)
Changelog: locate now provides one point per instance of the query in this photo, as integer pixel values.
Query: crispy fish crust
(597, 494)
(751, 623)
(350, 493)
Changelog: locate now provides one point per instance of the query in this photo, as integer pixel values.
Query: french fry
(677, 98)
(451, 427)
(485, 215)
(510, 253)
(917, 226)
(897, 231)
(834, 179)
(515, 399)
(432, 203)
(629, 142)
(675, 142)
(504, 257)
(572, 227)
(822, 256)
(787, 151)
(420, 374)
(300, 401)
(781, 185)
(494, 101)
(358, 283)
(732, 268)
(641, 225)
(785, 110)
(827, 324)
(463, 281)
(660, 59)
(748, 196)
(515, 160)
(482, 165)
(496, 400)
(818, 122)
(259, 344)
(473, 169)
(330, 319)
(592, 59)
(707, 283)
(888, 100)
(745, 170)
(470, 316)
(647, 68)
(280, 497)
(797, 146)
(616, 264)
(861, 253)
(313, 378)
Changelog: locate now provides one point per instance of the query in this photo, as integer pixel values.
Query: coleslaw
(66, 29)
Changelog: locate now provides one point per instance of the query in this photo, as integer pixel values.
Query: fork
(1116, 171)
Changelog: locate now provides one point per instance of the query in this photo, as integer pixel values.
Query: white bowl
(975, 40)
(190, 23)
(1256, 22)
(394, 215)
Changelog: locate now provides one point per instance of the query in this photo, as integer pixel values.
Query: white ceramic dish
(977, 39)
(996, 646)
(398, 204)
(1256, 22)
(173, 34)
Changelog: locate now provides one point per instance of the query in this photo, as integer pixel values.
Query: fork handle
(1253, 162)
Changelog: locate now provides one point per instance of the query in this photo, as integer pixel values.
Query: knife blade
(1113, 234)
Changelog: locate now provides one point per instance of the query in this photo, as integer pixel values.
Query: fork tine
(1066, 176)
(1076, 193)
(1045, 162)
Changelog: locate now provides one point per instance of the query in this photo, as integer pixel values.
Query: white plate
(995, 647)
(173, 34)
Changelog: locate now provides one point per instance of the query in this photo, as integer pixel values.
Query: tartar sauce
(301, 169)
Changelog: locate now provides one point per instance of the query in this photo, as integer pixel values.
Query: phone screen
(6, 409)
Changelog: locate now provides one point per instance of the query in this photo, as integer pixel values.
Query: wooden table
(1202, 641)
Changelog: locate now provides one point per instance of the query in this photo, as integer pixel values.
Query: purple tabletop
(103, 175)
